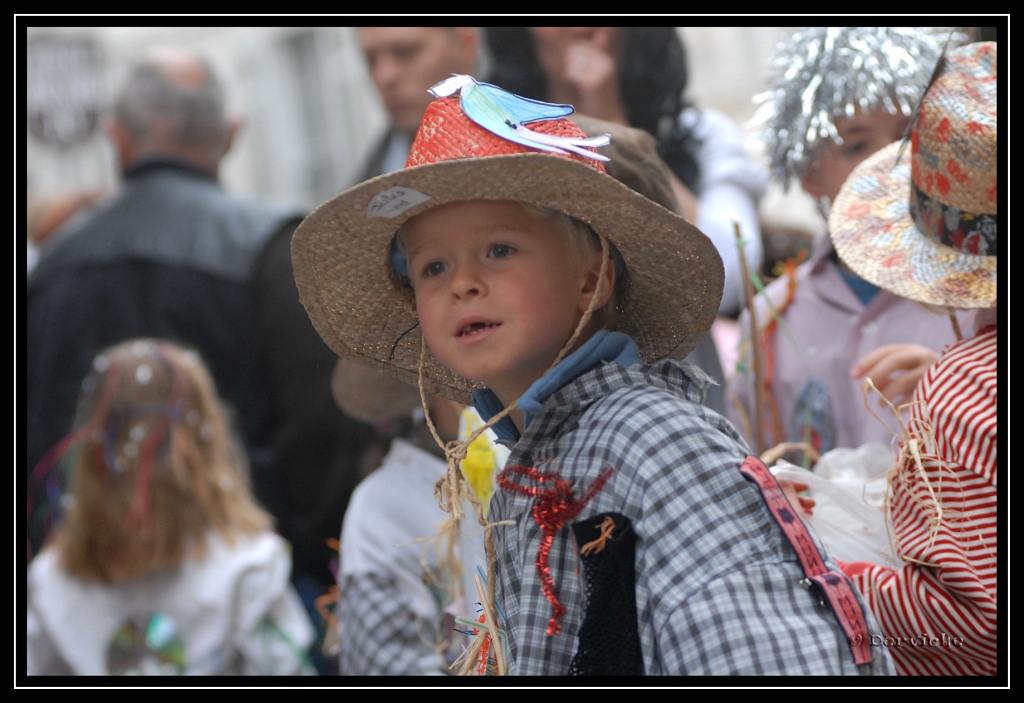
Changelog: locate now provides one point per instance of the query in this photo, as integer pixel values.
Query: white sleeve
(731, 184)
(42, 655)
(273, 631)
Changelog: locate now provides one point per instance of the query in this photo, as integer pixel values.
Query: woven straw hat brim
(368, 395)
(874, 234)
(341, 260)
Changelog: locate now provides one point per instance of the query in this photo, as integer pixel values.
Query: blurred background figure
(404, 62)
(163, 563)
(399, 595)
(826, 328)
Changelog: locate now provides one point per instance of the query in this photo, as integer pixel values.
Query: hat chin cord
(451, 488)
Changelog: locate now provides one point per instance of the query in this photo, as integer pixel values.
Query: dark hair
(652, 79)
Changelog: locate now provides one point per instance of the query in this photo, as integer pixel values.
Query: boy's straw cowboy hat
(364, 310)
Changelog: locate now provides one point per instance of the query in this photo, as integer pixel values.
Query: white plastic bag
(848, 486)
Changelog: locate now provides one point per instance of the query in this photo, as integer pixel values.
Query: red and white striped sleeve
(942, 507)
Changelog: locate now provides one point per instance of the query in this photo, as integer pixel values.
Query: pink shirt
(833, 330)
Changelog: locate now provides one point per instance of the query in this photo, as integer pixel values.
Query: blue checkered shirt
(717, 583)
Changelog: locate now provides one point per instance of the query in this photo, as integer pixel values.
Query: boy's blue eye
(499, 251)
(435, 268)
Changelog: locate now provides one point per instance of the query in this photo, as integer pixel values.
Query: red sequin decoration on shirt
(553, 506)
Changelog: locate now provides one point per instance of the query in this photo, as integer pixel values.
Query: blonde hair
(155, 467)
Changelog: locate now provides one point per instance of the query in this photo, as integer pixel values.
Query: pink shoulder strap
(834, 587)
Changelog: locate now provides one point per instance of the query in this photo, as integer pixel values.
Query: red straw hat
(926, 228)
(365, 311)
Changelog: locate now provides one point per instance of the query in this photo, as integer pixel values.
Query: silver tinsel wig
(821, 73)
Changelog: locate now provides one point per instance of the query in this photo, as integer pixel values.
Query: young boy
(925, 226)
(840, 94)
(502, 259)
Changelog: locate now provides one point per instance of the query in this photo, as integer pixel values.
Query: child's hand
(803, 505)
(895, 369)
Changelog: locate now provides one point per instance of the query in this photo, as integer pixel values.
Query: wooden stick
(956, 324)
(755, 348)
(499, 658)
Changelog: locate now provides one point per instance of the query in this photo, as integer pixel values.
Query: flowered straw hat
(474, 143)
(925, 227)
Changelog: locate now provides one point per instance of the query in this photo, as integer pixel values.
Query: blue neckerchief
(603, 346)
(864, 290)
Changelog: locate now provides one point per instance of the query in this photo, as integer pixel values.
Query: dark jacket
(318, 448)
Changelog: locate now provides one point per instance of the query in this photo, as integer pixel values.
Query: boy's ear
(590, 284)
